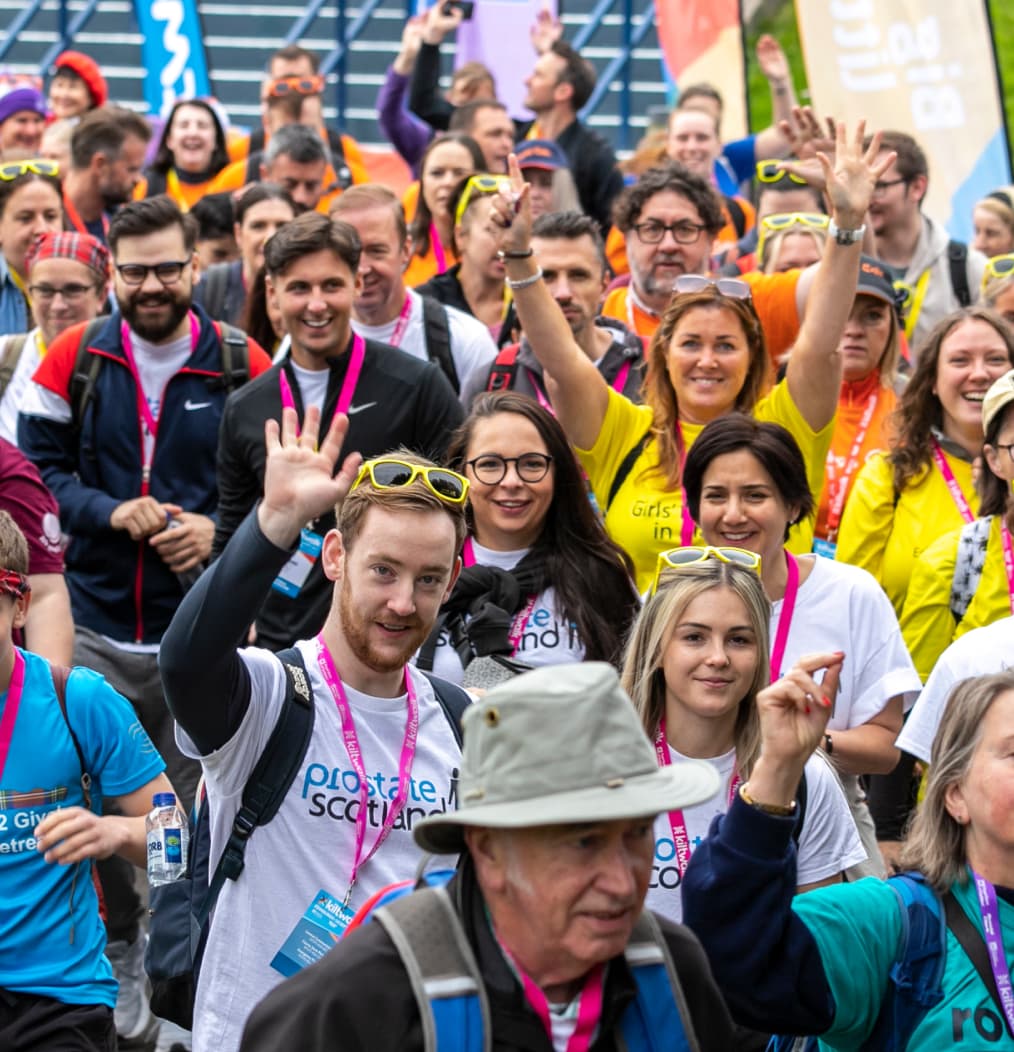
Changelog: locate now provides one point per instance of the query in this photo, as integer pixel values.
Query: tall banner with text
(172, 51)
(702, 40)
(926, 67)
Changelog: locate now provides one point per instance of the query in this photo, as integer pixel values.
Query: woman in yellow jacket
(903, 500)
(965, 580)
(707, 358)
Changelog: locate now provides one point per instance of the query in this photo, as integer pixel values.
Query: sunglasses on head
(283, 86)
(678, 558)
(780, 221)
(478, 185)
(36, 166)
(770, 172)
(998, 267)
(731, 287)
(388, 473)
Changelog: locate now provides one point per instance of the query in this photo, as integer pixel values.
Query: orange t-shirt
(421, 268)
(862, 402)
(186, 195)
(774, 299)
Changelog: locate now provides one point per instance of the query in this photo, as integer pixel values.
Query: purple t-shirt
(24, 496)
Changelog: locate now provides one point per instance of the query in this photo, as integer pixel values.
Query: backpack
(181, 912)
(438, 339)
(214, 287)
(957, 260)
(12, 355)
(504, 370)
(450, 990)
(972, 543)
(915, 977)
(235, 364)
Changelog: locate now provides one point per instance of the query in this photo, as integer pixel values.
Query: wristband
(845, 237)
(503, 254)
(524, 283)
(781, 810)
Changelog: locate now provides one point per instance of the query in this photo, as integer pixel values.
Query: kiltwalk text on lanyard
(147, 422)
(953, 488)
(10, 716)
(785, 617)
(839, 486)
(1008, 560)
(438, 249)
(677, 823)
(348, 390)
(687, 523)
(402, 323)
(351, 742)
(993, 934)
(520, 622)
(619, 382)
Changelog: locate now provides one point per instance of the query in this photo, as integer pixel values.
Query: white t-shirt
(828, 842)
(472, 346)
(980, 652)
(312, 385)
(841, 607)
(20, 383)
(548, 638)
(308, 846)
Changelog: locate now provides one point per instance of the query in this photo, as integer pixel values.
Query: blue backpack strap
(657, 1018)
(917, 972)
(427, 933)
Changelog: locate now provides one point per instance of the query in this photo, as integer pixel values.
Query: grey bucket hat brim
(642, 796)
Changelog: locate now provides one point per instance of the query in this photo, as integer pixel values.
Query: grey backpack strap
(428, 935)
(971, 558)
(647, 945)
(11, 356)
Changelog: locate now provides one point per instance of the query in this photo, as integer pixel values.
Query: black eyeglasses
(683, 232)
(1009, 449)
(72, 292)
(491, 468)
(137, 273)
(880, 189)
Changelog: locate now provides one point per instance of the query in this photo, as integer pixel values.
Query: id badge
(318, 931)
(825, 548)
(294, 573)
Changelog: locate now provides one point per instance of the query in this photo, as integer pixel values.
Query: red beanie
(87, 69)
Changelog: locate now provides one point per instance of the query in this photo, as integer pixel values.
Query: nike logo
(191, 406)
(353, 409)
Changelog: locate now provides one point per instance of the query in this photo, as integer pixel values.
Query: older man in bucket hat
(539, 941)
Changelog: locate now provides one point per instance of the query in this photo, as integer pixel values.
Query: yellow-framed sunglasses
(35, 166)
(779, 221)
(998, 267)
(479, 184)
(691, 555)
(770, 172)
(391, 473)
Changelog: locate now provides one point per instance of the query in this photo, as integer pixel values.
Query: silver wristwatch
(845, 237)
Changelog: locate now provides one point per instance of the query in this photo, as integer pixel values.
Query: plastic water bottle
(168, 840)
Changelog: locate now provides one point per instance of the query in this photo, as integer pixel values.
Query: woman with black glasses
(541, 582)
(707, 358)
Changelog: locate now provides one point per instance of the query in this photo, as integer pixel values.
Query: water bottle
(168, 840)
(189, 577)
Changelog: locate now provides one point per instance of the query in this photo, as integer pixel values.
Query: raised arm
(814, 369)
(576, 388)
(771, 142)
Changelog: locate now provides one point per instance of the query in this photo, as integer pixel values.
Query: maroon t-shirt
(24, 496)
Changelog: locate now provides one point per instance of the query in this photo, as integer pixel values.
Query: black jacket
(359, 999)
(446, 289)
(398, 401)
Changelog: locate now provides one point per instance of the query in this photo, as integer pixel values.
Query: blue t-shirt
(736, 165)
(51, 935)
(857, 928)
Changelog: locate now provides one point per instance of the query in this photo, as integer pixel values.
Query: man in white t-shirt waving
(384, 748)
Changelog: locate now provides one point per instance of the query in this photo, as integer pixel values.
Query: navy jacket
(119, 587)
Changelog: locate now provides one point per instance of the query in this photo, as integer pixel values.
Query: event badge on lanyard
(294, 573)
(327, 917)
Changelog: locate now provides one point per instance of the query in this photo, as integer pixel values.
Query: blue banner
(172, 52)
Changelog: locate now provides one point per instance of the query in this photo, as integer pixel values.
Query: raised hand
(299, 484)
(853, 172)
(545, 31)
(510, 213)
(441, 19)
(805, 134)
(771, 59)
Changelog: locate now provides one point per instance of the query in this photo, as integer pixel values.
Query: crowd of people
(635, 536)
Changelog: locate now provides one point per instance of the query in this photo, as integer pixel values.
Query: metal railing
(19, 23)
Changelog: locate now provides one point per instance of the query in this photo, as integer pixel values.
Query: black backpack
(181, 912)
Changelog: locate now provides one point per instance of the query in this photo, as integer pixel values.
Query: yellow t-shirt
(645, 518)
(885, 533)
(927, 622)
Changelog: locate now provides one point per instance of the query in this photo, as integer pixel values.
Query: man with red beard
(383, 751)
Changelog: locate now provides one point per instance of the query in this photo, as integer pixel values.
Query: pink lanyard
(952, 483)
(348, 384)
(10, 715)
(619, 382)
(438, 249)
(677, 823)
(785, 617)
(520, 622)
(589, 1010)
(993, 936)
(351, 740)
(146, 420)
(687, 526)
(402, 323)
(851, 465)
(1008, 560)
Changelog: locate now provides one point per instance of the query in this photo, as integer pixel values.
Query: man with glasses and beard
(384, 741)
(122, 422)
